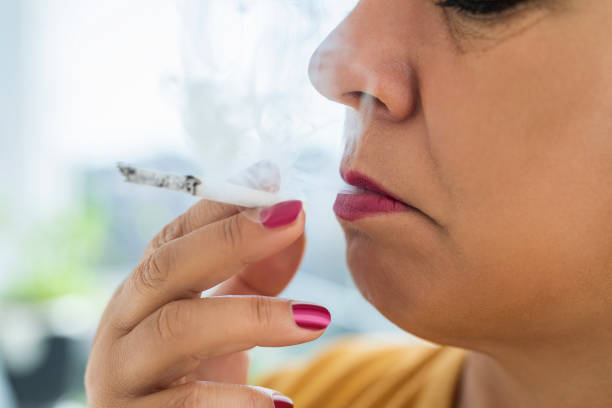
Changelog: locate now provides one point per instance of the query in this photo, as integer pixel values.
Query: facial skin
(499, 129)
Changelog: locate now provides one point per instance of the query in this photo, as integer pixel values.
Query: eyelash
(480, 7)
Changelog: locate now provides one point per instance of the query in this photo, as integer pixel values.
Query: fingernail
(309, 316)
(281, 401)
(280, 214)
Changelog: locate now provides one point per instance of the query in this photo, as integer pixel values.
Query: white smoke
(244, 94)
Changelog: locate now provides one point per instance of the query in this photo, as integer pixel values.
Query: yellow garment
(357, 372)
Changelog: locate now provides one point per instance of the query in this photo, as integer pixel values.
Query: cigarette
(220, 191)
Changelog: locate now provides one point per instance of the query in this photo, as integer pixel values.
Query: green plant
(58, 255)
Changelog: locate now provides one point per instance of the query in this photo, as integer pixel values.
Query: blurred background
(85, 84)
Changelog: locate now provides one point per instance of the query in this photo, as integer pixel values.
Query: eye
(480, 7)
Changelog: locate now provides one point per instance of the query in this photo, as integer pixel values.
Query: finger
(201, 259)
(202, 213)
(231, 368)
(184, 332)
(268, 277)
(214, 395)
(263, 175)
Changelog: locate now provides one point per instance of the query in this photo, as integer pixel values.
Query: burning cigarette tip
(126, 170)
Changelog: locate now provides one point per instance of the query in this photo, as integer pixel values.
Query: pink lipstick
(370, 200)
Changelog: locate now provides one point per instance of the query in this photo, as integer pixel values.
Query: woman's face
(498, 127)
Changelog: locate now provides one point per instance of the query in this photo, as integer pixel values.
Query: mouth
(369, 199)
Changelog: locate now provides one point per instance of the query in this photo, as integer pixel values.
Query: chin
(405, 286)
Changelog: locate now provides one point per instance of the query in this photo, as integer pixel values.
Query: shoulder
(361, 371)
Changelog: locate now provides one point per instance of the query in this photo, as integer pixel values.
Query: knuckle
(171, 231)
(207, 210)
(197, 215)
(232, 232)
(262, 309)
(194, 397)
(171, 321)
(153, 271)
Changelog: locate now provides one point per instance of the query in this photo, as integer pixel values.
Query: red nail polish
(309, 316)
(282, 402)
(280, 214)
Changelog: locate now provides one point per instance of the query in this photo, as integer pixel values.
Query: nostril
(353, 99)
(365, 103)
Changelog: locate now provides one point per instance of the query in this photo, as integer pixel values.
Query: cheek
(542, 257)
(525, 147)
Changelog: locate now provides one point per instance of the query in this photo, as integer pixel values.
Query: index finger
(263, 175)
(202, 213)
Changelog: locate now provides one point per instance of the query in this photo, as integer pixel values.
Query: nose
(360, 61)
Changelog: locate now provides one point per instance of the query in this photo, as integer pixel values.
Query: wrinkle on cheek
(472, 35)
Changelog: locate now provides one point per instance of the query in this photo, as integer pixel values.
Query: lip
(372, 201)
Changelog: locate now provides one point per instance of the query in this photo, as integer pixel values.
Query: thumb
(267, 277)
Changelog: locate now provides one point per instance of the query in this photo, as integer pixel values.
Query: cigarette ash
(186, 184)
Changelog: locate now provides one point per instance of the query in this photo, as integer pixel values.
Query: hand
(160, 344)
